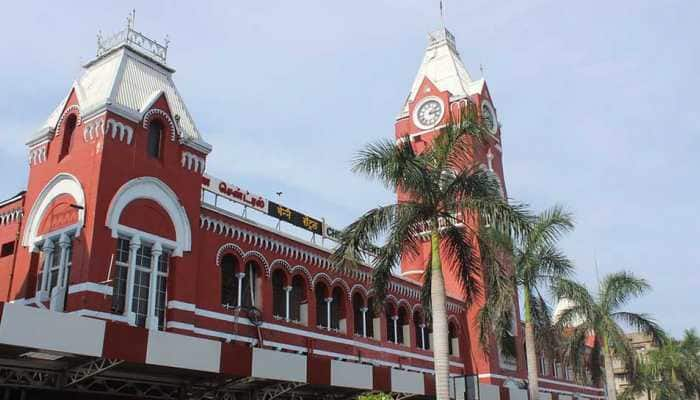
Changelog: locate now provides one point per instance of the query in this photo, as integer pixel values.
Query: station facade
(120, 276)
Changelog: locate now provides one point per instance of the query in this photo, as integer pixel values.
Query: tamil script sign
(235, 193)
(260, 203)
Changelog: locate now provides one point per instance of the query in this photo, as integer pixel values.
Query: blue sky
(598, 102)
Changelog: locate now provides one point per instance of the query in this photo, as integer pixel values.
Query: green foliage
(537, 264)
(601, 315)
(375, 396)
(445, 192)
(670, 372)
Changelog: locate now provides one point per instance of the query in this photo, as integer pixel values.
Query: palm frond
(620, 287)
(462, 259)
(642, 323)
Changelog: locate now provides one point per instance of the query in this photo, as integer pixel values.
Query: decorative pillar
(329, 301)
(422, 335)
(64, 243)
(47, 249)
(364, 310)
(134, 246)
(152, 318)
(58, 294)
(239, 299)
(287, 295)
(395, 320)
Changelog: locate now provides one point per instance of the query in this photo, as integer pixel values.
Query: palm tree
(446, 196)
(601, 315)
(669, 372)
(537, 265)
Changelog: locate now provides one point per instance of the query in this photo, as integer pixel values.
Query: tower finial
(481, 68)
(130, 19)
(442, 15)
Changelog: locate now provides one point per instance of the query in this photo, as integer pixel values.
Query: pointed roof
(127, 80)
(444, 67)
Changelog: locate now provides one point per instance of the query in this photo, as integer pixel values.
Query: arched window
(338, 321)
(68, 130)
(453, 340)
(229, 281)
(155, 137)
(372, 320)
(403, 332)
(249, 283)
(299, 307)
(421, 330)
(322, 314)
(150, 263)
(279, 297)
(358, 312)
(391, 319)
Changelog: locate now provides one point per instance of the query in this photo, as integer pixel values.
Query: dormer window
(68, 130)
(155, 136)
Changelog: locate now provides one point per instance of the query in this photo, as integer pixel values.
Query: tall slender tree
(446, 197)
(537, 265)
(601, 315)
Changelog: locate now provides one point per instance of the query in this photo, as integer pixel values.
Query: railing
(129, 36)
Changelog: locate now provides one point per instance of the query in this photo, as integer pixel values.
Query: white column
(363, 310)
(64, 245)
(152, 318)
(395, 318)
(287, 295)
(329, 300)
(58, 294)
(47, 249)
(239, 299)
(422, 335)
(134, 245)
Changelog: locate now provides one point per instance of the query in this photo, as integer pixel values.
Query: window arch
(249, 282)
(279, 296)
(358, 315)
(422, 330)
(299, 305)
(453, 342)
(391, 319)
(68, 130)
(155, 139)
(403, 331)
(372, 320)
(337, 306)
(322, 305)
(229, 282)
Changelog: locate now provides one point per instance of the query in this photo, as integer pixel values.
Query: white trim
(497, 376)
(145, 236)
(181, 305)
(100, 314)
(178, 305)
(151, 188)
(90, 287)
(63, 183)
(229, 336)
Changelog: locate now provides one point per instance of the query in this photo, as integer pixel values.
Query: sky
(597, 101)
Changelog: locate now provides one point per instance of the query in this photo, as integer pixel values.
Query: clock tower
(441, 90)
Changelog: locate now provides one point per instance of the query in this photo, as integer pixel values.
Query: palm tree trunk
(530, 351)
(609, 373)
(437, 297)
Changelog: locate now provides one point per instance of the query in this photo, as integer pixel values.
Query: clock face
(428, 113)
(489, 118)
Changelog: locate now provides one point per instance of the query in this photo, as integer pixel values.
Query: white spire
(444, 67)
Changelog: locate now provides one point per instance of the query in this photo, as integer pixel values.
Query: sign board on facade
(239, 195)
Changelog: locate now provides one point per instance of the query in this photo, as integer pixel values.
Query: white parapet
(53, 331)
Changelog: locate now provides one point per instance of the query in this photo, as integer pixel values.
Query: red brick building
(123, 270)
